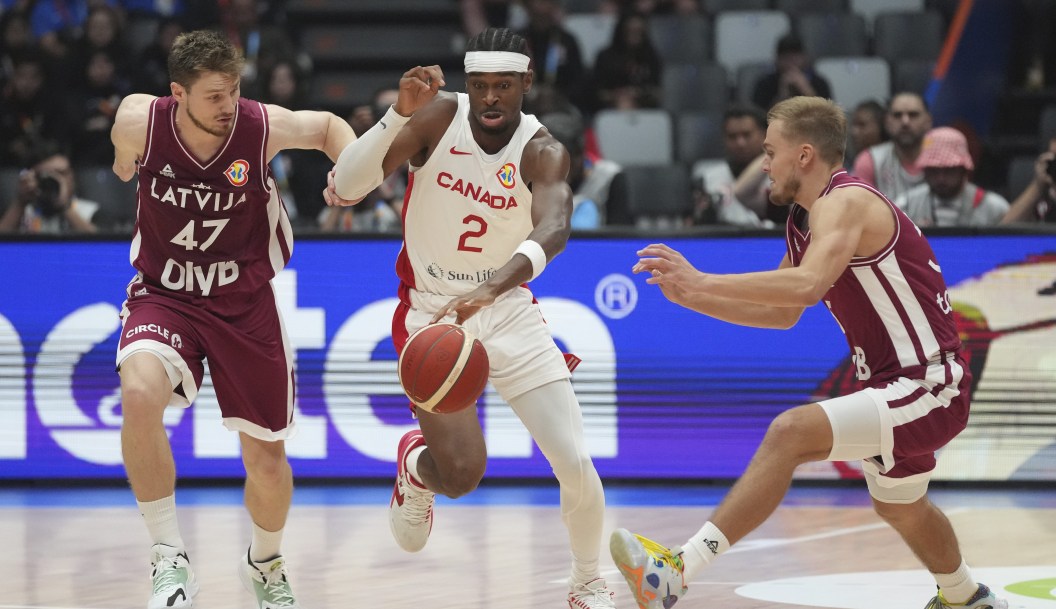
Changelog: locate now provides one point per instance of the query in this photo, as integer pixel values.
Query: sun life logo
(507, 175)
(238, 173)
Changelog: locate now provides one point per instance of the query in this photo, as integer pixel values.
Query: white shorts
(521, 351)
(896, 428)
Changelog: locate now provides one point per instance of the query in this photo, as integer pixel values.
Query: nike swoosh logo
(383, 125)
(453, 151)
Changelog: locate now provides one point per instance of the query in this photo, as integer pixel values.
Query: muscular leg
(455, 457)
(926, 531)
(552, 415)
(145, 391)
(796, 436)
(269, 482)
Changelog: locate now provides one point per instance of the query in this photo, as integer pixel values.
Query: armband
(534, 252)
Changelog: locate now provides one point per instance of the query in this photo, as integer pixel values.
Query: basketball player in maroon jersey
(486, 208)
(211, 233)
(850, 247)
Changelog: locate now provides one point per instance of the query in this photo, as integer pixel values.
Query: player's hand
(668, 269)
(418, 87)
(465, 306)
(330, 194)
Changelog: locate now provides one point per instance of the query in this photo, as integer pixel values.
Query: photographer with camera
(45, 202)
(1037, 202)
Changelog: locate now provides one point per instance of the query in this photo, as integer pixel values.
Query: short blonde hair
(815, 120)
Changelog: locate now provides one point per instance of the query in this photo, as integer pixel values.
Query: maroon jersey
(214, 227)
(893, 307)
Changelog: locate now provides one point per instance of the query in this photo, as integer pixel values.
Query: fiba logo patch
(508, 175)
(238, 173)
(435, 270)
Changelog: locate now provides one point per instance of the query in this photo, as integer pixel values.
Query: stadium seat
(912, 75)
(870, 8)
(657, 191)
(700, 87)
(905, 35)
(699, 136)
(748, 37)
(681, 38)
(856, 79)
(800, 7)
(747, 77)
(714, 7)
(832, 34)
(635, 137)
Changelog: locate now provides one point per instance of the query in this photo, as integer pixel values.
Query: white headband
(496, 61)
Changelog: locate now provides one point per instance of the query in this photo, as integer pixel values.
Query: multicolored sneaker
(173, 581)
(411, 507)
(268, 582)
(653, 572)
(982, 599)
(591, 595)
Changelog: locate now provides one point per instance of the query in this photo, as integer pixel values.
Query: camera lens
(48, 185)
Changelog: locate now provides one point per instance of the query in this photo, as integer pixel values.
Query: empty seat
(635, 137)
(905, 35)
(832, 34)
(856, 79)
(657, 191)
(748, 37)
(800, 7)
(116, 199)
(593, 32)
(695, 87)
(699, 136)
(714, 7)
(870, 8)
(681, 38)
(912, 75)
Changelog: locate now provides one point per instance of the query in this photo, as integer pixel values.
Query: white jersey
(465, 211)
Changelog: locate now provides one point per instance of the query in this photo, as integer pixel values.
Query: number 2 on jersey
(482, 227)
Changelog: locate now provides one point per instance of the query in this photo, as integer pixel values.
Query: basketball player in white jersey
(211, 233)
(849, 246)
(487, 207)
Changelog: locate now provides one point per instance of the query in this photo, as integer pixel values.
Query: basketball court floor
(505, 547)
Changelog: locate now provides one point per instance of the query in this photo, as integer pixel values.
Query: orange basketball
(443, 368)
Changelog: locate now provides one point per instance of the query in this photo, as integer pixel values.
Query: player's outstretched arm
(363, 164)
(129, 133)
(307, 130)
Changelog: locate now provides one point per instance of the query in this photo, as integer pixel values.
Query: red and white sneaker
(411, 508)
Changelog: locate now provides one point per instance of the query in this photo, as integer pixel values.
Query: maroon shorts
(241, 336)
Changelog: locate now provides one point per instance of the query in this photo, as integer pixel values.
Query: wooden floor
(817, 551)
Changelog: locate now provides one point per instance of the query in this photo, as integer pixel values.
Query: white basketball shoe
(173, 581)
(411, 507)
(268, 581)
(591, 595)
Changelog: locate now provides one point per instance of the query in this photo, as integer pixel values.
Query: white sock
(957, 587)
(584, 571)
(702, 548)
(160, 517)
(265, 545)
(412, 464)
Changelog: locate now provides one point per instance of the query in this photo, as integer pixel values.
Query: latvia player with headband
(850, 247)
(487, 208)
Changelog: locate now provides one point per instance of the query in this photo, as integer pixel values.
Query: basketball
(443, 368)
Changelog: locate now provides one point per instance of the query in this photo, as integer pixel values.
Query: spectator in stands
(590, 179)
(627, 72)
(792, 75)
(93, 108)
(556, 58)
(867, 127)
(262, 44)
(743, 129)
(46, 203)
(1037, 202)
(297, 173)
(948, 198)
(57, 23)
(16, 40)
(151, 73)
(892, 166)
(29, 114)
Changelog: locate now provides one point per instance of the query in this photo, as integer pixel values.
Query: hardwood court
(486, 555)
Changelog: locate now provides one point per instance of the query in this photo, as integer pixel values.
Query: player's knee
(574, 471)
(461, 477)
(266, 469)
(792, 434)
(140, 402)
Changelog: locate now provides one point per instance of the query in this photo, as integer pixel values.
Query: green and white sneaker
(268, 582)
(173, 582)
